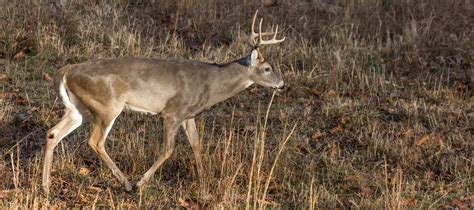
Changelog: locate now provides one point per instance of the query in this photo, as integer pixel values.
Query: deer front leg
(171, 125)
(193, 138)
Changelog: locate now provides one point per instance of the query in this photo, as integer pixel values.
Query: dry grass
(379, 113)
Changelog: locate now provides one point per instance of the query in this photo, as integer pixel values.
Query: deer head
(262, 72)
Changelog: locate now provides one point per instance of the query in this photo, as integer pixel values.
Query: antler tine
(273, 40)
(276, 31)
(260, 32)
(254, 35)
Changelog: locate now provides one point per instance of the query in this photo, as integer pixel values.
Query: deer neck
(231, 79)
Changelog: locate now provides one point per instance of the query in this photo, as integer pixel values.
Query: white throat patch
(248, 83)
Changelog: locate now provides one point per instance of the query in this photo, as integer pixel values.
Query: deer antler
(260, 34)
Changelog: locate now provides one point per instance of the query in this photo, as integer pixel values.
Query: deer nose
(281, 85)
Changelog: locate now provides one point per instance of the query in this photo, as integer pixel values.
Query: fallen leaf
(207, 197)
(440, 140)
(3, 77)
(334, 150)
(429, 175)
(47, 77)
(183, 203)
(317, 135)
(3, 194)
(470, 198)
(408, 133)
(268, 3)
(337, 129)
(84, 171)
(239, 114)
(459, 204)
(410, 201)
(254, 90)
(391, 110)
(353, 178)
(33, 109)
(141, 129)
(20, 55)
(20, 100)
(83, 198)
(314, 92)
(97, 189)
(449, 188)
(364, 191)
(196, 206)
(344, 120)
(422, 140)
(331, 93)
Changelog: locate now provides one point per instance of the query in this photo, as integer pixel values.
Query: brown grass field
(378, 113)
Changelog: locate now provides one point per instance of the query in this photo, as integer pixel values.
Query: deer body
(183, 87)
(99, 90)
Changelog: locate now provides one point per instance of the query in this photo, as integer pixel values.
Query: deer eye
(267, 69)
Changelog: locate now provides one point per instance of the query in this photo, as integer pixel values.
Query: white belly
(137, 109)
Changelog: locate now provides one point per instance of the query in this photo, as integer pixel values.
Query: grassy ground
(379, 113)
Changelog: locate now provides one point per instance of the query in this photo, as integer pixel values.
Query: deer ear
(254, 58)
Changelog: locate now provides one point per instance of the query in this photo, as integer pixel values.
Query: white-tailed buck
(178, 89)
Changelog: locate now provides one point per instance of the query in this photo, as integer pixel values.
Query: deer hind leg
(71, 120)
(171, 125)
(101, 129)
(193, 138)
